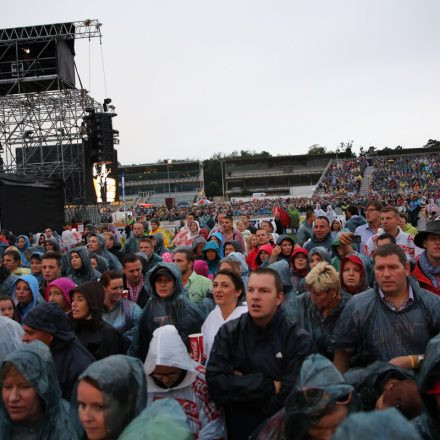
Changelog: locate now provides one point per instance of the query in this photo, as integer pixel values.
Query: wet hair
(234, 264)
(131, 258)
(323, 278)
(189, 255)
(390, 249)
(385, 236)
(268, 271)
(14, 254)
(405, 397)
(234, 277)
(108, 276)
(52, 255)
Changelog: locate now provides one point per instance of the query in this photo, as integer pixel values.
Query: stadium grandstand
(294, 175)
(411, 171)
(170, 182)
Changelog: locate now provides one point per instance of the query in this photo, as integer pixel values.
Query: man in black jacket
(48, 323)
(256, 358)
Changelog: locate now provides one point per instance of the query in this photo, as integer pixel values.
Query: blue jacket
(32, 282)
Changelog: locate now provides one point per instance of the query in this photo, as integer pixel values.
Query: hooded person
(101, 250)
(317, 255)
(263, 255)
(23, 244)
(39, 239)
(319, 394)
(283, 249)
(164, 419)
(49, 324)
(218, 238)
(101, 263)
(26, 295)
(196, 247)
(377, 425)
(7, 279)
(11, 332)
(100, 338)
(299, 268)
(212, 255)
(80, 267)
(383, 385)
(167, 305)
(52, 244)
(116, 384)
(58, 291)
(319, 212)
(172, 373)
(428, 424)
(353, 274)
(232, 246)
(331, 214)
(244, 268)
(42, 414)
(159, 246)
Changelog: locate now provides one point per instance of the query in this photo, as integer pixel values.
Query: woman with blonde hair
(318, 309)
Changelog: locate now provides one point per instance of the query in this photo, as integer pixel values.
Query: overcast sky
(196, 77)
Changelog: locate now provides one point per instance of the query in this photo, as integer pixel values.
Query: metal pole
(169, 182)
(123, 191)
(223, 183)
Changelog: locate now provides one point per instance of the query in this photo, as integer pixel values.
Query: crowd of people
(227, 328)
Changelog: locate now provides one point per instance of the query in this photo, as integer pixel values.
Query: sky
(197, 77)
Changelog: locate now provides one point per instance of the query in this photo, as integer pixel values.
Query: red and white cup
(197, 351)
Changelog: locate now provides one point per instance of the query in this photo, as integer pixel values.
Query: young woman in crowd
(251, 243)
(80, 266)
(58, 291)
(318, 255)
(228, 291)
(8, 308)
(283, 250)
(31, 406)
(26, 295)
(299, 268)
(109, 395)
(353, 275)
(263, 255)
(212, 255)
(99, 337)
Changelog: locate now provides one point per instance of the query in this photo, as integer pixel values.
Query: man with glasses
(256, 358)
(367, 230)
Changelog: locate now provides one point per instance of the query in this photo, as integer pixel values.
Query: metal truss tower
(41, 111)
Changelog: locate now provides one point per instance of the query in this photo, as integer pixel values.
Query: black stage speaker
(30, 204)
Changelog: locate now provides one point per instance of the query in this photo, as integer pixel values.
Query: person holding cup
(228, 291)
(172, 373)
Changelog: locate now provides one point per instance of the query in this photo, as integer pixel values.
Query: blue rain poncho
(123, 383)
(32, 282)
(163, 420)
(428, 424)
(378, 425)
(318, 388)
(35, 364)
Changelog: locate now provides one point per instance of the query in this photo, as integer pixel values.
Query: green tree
(317, 149)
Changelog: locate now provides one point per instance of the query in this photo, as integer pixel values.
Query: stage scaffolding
(41, 110)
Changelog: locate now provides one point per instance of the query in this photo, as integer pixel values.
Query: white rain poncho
(168, 349)
(11, 333)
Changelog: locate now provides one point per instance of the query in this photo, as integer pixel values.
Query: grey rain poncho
(163, 420)
(10, 336)
(123, 383)
(428, 424)
(378, 425)
(35, 364)
(318, 388)
(86, 272)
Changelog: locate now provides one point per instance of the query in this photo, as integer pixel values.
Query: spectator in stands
(389, 219)
(80, 266)
(385, 238)
(7, 279)
(245, 375)
(112, 246)
(181, 237)
(26, 295)
(427, 268)
(299, 268)
(354, 220)
(48, 323)
(51, 269)
(156, 229)
(197, 247)
(263, 256)
(96, 246)
(168, 305)
(35, 265)
(132, 243)
(134, 280)
(405, 226)
(283, 250)
(305, 231)
(229, 233)
(212, 255)
(353, 274)
(242, 229)
(370, 228)
(159, 247)
(146, 248)
(245, 218)
(58, 291)
(318, 255)
(232, 246)
(321, 235)
(12, 262)
(195, 285)
(119, 312)
(370, 319)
